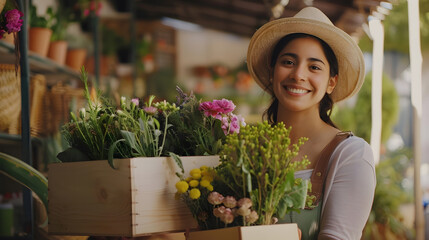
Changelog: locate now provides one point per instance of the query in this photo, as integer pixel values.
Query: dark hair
(326, 104)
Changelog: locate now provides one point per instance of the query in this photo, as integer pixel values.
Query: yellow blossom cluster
(200, 178)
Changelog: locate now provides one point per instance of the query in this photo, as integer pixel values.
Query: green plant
(256, 163)
(358, 118)
(111, 41)
(196, 132)
(144, 134)
(385, 220)
(254, 183)
(39, 21)
(61, 19)
(95, 129)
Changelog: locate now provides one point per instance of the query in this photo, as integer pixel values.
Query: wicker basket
(10, 92)
(60, 100)
(37, 94)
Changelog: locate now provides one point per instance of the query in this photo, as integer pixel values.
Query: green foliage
(94, 130)
(39, 21)
(256, 163)
(111, 41)
(192, 133)
(396, 29)
(358, 118)
(62, 17)
(389, 195)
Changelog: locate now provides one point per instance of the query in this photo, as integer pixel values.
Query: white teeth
(296, 90)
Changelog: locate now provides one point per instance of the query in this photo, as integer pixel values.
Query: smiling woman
(307, 64)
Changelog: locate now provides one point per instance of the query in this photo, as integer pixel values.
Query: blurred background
(148, 47)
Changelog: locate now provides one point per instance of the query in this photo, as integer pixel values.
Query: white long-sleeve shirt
(349, 190)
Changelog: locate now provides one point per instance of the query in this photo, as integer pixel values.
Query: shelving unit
(38, 64)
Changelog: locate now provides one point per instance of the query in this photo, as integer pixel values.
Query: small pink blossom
(224, 106)
(215, 198)
(244, 203)
(242, 211)
(252, 217)
(86, 12)
(135, 101)
(209, 109)
(229, 202)
(150, 110)
(14, 21)
(218, 212)
(227, 216)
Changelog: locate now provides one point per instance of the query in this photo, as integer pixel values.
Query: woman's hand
(299, 234)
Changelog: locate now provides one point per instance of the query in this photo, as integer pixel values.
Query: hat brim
(351, 67)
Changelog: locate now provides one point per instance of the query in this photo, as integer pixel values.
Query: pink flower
(219, 211)
(252, 217)
(209, 109)
(227, 216)
(215, 198)
(13, 20)
(135, 101)
(244, 203)
(150, 110)
(243, 211)
(86, 12)
(229, 202)
(224, 106)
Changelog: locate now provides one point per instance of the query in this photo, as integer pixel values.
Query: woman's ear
(331, 84)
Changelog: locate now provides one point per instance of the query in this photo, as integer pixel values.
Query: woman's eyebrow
(296, 56)
(316, 60)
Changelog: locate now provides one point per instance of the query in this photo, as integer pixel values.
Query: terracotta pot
(39, 39)
(75, 58)
(58, 51)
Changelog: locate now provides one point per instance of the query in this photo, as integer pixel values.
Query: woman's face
(301, 75)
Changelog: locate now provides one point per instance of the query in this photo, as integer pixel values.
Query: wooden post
(416, 101)
(377, 33)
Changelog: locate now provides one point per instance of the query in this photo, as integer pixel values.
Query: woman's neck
(304, 124)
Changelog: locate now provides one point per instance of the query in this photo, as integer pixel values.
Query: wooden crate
(272, 232)
(91, 198)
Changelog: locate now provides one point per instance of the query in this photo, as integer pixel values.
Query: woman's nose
(299, 73)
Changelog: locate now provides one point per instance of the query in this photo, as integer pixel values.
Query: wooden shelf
(38, 64)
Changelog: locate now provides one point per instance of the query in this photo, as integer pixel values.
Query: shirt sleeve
(349, 191)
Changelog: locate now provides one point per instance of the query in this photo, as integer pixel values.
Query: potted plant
(123, 182)
(58, 45)
(253, 185)
(40, 32)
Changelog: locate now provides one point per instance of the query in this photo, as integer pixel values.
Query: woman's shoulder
(354, 148)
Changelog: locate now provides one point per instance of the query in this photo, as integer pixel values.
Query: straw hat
(311, 21)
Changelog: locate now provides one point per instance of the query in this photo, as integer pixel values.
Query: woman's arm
(349, 191)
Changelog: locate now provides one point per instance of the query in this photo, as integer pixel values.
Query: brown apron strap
(321, 170)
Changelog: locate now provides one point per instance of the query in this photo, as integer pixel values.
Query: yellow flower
(182, 186)
(210, 188)
(196, 176)
(194, 193)
(194, 171)
(188, 179)
(207, 178)
(203, 167)
(204, 183)
(193, 183)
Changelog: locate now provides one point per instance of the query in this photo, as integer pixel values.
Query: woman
(307, 64)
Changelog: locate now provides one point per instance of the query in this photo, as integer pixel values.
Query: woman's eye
(315, 68)
(287, 62)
